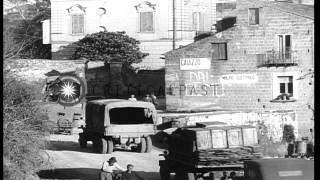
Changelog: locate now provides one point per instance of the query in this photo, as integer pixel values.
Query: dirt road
(72, 162)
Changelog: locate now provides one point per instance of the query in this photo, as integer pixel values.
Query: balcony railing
(277, 58)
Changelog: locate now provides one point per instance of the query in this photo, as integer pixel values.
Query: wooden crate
(250, 136)
(219, 138)
(234, 137)
(203, 139)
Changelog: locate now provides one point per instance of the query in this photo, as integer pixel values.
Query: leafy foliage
(24, 128)
(107, 46)
(23, 34)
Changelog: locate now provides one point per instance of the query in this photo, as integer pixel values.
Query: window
(77, 24)
(284, 88)
(285, 85)
(219, 51)
(253, 16)
(284, 46)
(196, 21)
(146, 22)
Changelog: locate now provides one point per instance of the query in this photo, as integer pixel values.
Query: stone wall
(98, 76)
(239, 83)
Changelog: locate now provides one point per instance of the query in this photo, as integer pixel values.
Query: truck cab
(120, 123)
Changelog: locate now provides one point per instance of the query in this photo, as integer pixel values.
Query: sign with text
(194, 63)
(239, 78)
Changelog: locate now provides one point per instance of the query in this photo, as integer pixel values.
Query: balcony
(277, 58)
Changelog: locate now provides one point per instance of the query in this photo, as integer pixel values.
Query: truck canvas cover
(101, 113)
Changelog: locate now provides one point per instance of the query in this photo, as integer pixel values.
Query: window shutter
(261, 16)
(146, 22)
(256, 16)
(251, 16)
(77, 24)
(219, 51)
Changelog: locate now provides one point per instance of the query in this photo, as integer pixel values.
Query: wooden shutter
(256, 15)
(253, 16)
(219, 51)
(146, 22)
(77, 24)
(196, 21)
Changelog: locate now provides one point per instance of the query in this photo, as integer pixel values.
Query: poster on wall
(239, 78)
(194, 63)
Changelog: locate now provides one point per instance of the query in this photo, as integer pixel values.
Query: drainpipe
(173, 24)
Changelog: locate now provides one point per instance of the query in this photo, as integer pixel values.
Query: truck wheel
(104, 146)
(82, 140)
(142, 146)
(149, 144)
(110, 146)
(96, 144)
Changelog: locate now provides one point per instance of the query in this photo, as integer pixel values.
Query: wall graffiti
(196, 83)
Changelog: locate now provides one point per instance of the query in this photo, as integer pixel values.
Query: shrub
(24, 129)
(107, 46)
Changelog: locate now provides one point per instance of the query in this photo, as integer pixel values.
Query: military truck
(118, 123)
(200, 151)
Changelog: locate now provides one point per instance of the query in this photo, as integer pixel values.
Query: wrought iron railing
(277, 58)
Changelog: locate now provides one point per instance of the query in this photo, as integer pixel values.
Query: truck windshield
(131, 115)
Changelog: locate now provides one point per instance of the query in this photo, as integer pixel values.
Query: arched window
(146, 14)
(77, 18)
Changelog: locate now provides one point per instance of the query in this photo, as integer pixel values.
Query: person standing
(147, 98)
(154, 99)
(108, 168)
(132, 98)
(130, 175)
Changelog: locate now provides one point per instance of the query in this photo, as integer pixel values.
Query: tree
(23, 34)
(109, 46)
(24, 129)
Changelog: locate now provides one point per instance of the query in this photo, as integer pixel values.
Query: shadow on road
(86, 174)
(70, 173)
(68, 146)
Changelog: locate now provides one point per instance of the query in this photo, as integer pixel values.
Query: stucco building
(264, 62)
(150, 22)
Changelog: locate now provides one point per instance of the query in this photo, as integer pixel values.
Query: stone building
(264, 62)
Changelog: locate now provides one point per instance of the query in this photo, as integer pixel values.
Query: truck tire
(104, 146)
(142, 146)
(96, 144)
(148, 144)
(110, 146)
(82, 140)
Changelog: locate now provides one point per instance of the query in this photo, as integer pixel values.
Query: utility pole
(173, 24)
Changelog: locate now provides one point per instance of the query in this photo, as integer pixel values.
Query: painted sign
(194, 63)
(239, 78)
